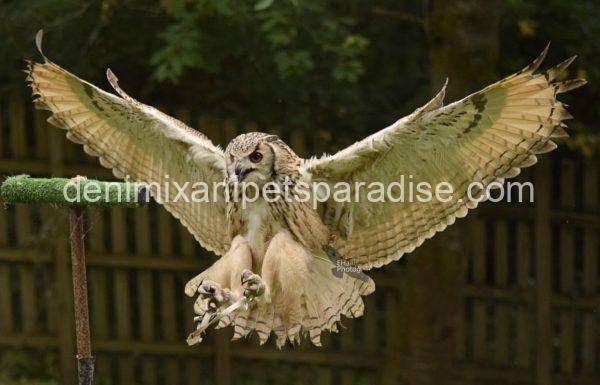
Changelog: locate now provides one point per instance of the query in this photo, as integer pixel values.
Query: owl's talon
(253, 284)
(215, 295)
(212, 315)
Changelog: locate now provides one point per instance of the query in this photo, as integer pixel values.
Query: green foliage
(572, 28)
(342, 68)
(297, 39)
(25, 367)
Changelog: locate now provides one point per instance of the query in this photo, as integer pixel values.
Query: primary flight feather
(278, 272)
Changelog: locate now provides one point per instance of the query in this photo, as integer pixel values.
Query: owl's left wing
(485, 137)
(140, 143)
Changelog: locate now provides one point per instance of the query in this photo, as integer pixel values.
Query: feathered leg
(219, 286)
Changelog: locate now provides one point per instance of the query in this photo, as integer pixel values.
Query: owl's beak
(241, 173)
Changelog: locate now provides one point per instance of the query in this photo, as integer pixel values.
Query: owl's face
(251, 158)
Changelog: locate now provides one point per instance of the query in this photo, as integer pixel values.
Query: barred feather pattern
(486, 137)
(137, 141)
(315, 305)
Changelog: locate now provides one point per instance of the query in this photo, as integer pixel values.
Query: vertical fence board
(523, 256)
(477, 231)
(6, 310)
(501, 280)
(167, 289)
(370, 325)
(41, 135)
(122, 293)
(591, 329)
(567, 265)
(193, 372)
(3, 130)
(223, 367)
(26, 273)
(325, 376)
(145, 292)
(391, 370)
(63, 309)
(543, 271)
(99, 292)
(18, 132)
(347, 345)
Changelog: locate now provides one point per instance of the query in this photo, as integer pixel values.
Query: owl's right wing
(140, 143)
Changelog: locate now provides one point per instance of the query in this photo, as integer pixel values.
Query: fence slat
(501, 280)
(543, 272)
(523, 257)
(167, 289)
(26, 273)
(41, 129)
(18, 131)
(391, 371)
(194, 373)
(6, 310)
(567, 266)
(591, 329)
(3, 131)
(122, 291)
(145, 292)
(347, 344)
(63, 307)
(477, 231)
(99, 292)
(370, 325)
(325, 376)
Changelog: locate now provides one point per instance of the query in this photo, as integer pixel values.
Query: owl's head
(257, 157)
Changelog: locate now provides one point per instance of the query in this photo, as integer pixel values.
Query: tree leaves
(262, 5)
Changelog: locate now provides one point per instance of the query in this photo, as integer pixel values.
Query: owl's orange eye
(255, 157)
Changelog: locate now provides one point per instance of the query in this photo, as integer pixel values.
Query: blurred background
(510, 295)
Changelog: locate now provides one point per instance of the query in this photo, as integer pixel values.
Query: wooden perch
(75, 193)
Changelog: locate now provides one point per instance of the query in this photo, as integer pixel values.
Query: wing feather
(138, 142)
(486, 137)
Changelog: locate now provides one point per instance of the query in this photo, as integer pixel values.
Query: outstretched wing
(485, 137)
(140, 143)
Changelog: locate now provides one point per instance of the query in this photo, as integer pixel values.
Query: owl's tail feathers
(330, 298)
(318, 306)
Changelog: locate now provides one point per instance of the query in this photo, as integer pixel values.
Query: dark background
(510, 295)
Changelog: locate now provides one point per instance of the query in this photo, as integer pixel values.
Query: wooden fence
(530, 292)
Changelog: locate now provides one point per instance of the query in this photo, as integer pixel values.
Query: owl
(292, 268)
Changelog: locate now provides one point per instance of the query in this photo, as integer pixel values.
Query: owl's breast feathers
(259, 221)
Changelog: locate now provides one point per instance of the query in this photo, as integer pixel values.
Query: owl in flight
(279, 265)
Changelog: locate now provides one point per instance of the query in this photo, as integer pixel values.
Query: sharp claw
(246, 275)
(212, 291)
(253, 284)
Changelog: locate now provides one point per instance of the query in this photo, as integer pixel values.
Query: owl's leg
(224, 273)
(284, 261)
(285, 273)
(254, 285)
(219, 286)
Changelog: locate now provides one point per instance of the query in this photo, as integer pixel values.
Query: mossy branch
(67, 192)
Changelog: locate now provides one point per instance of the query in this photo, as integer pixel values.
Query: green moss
(62, 191)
